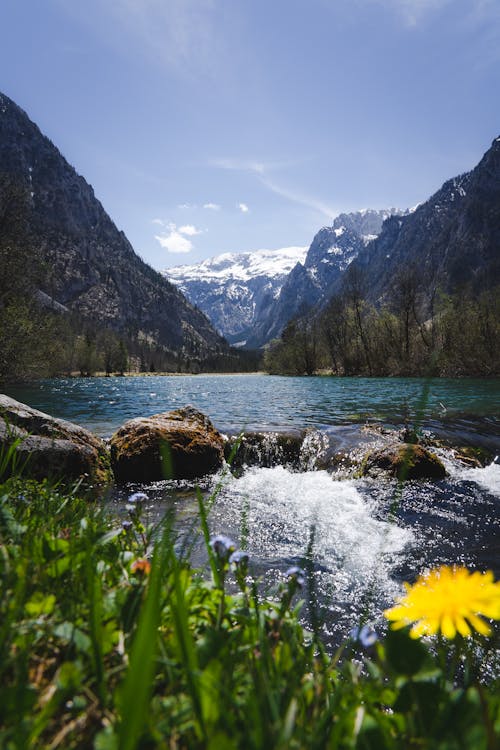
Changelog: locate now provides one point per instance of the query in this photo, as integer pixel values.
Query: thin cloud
(243, 208)
(212, 206)
(158, 221)
(238, 165)
(181, 34)
(189, 230)
(250, 165)
(412, 12)
(261, 171)
(300, 198)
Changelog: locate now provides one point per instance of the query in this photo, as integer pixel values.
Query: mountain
(250, 297)
(237, 290)
(449, 243)
(90, 266)
(309, 283)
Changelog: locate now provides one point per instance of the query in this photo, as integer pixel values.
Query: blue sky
(208, 126)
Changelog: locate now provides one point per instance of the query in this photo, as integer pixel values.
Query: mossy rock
(404, 461)
(181, 444)
(475, 457)
(46, 447)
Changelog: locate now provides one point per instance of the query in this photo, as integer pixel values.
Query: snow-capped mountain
(236, 290)
(309, 283)
(250, 297)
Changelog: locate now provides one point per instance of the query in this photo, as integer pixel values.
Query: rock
(404, 461)
(50, 447)
(265, 449)
(476, 458)
(181, 444)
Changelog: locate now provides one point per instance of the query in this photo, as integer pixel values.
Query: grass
(110, 640)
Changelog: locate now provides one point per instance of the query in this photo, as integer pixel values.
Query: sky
(211, 126)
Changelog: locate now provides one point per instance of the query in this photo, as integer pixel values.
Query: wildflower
(137, 499)
(239, 559)
(366, 635)
(448, 600)
(222, 546)
(296, 575)
(127, 525)
(141, 566)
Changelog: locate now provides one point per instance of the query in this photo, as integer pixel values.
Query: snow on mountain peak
(239, 266)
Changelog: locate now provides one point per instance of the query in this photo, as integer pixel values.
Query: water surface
(261, 401)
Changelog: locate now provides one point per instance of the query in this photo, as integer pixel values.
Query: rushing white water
(277, 515)
(487, 478)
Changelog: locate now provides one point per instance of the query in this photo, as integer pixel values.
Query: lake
(361, 550)
(250, 402)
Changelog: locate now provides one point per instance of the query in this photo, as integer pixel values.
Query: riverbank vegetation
(109, 639)
(458, 336)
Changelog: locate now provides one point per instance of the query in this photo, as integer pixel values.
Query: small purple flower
(223, 546)
(296, 575)
(127, 525)
(137, 499)
(239, 559)
(365, 635)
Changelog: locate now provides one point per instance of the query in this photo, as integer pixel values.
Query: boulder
(404, 461)
(46, 447)
(265, 449)
(181, 444)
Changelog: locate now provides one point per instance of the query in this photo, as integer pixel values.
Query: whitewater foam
(281, 510)
(488, 477)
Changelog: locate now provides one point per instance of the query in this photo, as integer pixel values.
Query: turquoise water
(260, 401)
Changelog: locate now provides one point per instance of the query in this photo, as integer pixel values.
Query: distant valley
(393, 291)
(249, 297)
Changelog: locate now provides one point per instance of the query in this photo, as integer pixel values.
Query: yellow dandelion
(449, 600)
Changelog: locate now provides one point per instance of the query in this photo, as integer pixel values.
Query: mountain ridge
(236, 289)
(250, 302)
(449, 241)
(91, 266)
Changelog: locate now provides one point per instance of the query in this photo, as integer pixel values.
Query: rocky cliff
(90, 266)
(449, 243)
(310, 283)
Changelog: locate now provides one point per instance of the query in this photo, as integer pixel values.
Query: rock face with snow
(449, 243)
(237, 290)
(309, 283)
